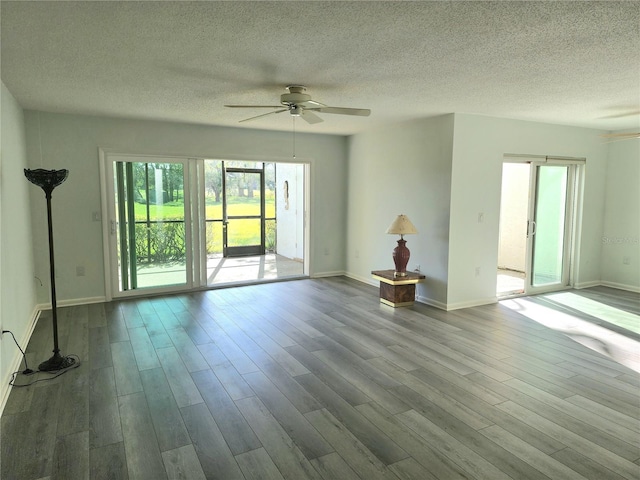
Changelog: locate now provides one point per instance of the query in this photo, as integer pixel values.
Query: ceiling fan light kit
(300, 104)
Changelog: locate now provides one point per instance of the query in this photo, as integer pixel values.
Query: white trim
(306, 224)
(72, 302)
(524, 158)
(431, 302)
(593, 283)
(132, 152)
(5, 388)
(198, 224)
(472, 303)
(106, 222)
(368, 280)
(621, 286)
(328, 274)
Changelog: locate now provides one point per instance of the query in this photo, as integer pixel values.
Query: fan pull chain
(294, 136)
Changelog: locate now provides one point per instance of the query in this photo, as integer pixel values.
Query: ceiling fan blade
(621, 135)
(264, 115)
(310, 117)
(621, 115)
(312, 104)
(361, 112)
(253, 106)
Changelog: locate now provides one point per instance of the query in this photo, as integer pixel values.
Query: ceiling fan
(613, 137)
(300, 104)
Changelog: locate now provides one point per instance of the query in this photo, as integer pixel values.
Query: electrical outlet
(417, 268)
(626, 260)
(326, 251)
(80, 271)
(477, 271)
(480, 217)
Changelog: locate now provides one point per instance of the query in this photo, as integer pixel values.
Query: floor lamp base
(57, 362)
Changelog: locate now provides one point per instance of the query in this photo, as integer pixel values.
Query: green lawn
(235, 206)
(241, 231)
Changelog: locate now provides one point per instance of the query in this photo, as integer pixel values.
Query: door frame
(573, 209)
(196, 228)
(109, 224)
(249, 249)
(568, 230)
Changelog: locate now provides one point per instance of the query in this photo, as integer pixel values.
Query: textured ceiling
(574, 63)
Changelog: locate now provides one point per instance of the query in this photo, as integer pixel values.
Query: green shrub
(161, 242)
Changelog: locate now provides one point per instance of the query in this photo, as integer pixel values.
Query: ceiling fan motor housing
(294, 98)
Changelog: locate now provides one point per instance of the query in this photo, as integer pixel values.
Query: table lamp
(401, 226)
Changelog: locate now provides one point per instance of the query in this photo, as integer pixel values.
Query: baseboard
(72, 302)
(472, 303)
(5, 388)
(594, 283)
(367, 280)
(431, 302)
(621, 286)
(328, 274)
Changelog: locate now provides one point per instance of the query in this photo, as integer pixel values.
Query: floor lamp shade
(401, 226)
(48, 180)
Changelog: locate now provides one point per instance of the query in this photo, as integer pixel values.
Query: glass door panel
(549, 227)
(149, 232)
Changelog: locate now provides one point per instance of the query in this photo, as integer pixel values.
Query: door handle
(531, 228)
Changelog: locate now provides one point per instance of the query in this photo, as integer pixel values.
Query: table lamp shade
(402, 226)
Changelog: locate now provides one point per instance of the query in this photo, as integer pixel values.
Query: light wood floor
(314, 379)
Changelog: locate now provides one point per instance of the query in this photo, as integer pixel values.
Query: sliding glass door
(149, 238)
(536, 225)
(549, 228)
(175, 224)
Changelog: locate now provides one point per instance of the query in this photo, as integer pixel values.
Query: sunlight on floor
(222, 270)
(609, 314)
(619, 348)
(251, 268)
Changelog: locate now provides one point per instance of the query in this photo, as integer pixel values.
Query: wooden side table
(397, 291)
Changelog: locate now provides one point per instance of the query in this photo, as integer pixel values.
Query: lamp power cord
(74, 363)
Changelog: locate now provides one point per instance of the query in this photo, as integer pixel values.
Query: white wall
(17, 285)
(440, 171)
(290, 211)
(479, 146)
(72, 141)
(621, 235)
(448, 171)
(403, 168)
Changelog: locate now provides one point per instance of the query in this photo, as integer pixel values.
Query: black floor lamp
(48, 180)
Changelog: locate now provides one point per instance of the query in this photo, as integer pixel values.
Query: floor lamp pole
(48, 180)
(52, 271)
